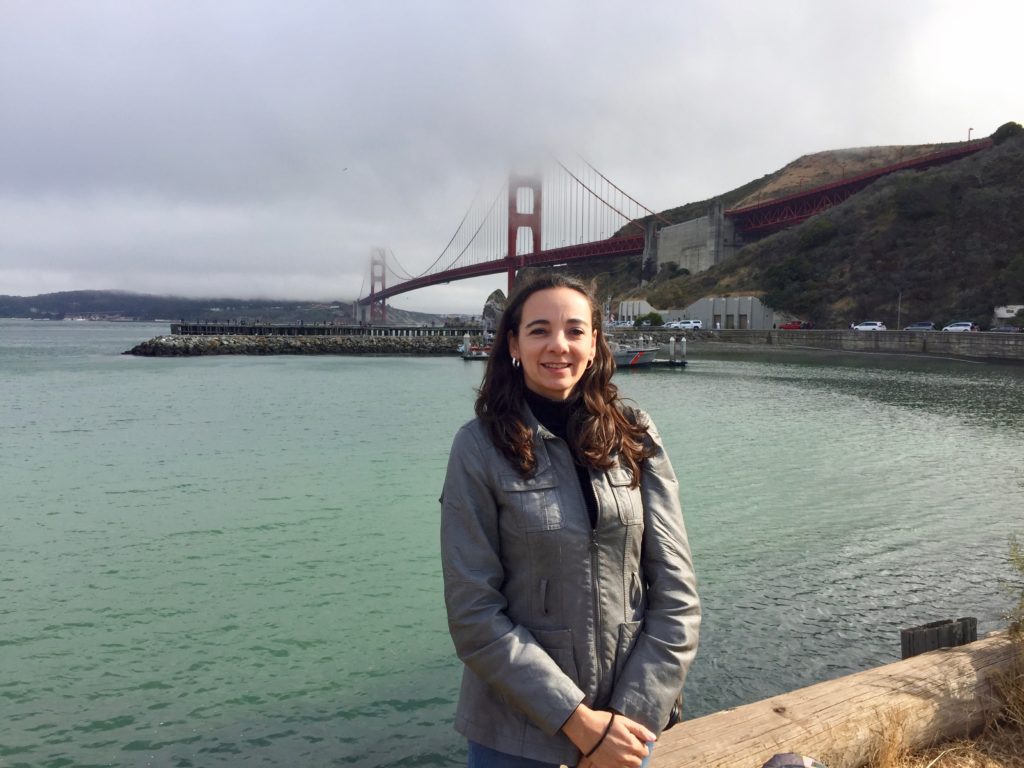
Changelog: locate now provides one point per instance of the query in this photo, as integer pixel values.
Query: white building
(731, 312)
(721, 312)
(631, 309)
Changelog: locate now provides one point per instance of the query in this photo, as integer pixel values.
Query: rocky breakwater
(190, 346)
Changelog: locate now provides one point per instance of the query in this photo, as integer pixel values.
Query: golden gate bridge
(562, 215)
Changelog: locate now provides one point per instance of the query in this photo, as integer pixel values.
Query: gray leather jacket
(546, 611)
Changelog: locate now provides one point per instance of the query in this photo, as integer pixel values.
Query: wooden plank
(932, 696)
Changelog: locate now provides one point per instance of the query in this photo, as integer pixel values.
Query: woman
(570, 591)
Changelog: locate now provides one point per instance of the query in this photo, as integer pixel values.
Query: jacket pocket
(631, 508)
(558, 645)
(628, 632)
(636, 594)
(533, 501)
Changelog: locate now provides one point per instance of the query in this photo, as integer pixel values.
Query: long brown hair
(607, 427)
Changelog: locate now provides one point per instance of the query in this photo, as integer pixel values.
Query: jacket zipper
(596, 584)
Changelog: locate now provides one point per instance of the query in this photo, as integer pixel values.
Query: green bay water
(234, 560)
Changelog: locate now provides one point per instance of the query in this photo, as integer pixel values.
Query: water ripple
(249, 575)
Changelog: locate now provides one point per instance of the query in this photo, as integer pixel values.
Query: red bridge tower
(517, 219)
(378, 269)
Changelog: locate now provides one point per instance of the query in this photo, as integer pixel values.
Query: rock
(493, 308)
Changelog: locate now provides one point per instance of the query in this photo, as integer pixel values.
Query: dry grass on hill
(1003, 748)
(833, 165)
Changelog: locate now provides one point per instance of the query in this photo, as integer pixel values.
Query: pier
(316, 329)
(996, 347)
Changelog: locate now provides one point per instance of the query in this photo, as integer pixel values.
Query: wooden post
(931, 697)
(938, 634)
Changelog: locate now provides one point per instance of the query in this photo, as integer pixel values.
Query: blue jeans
(484, 757)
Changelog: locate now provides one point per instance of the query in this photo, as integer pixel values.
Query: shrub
(651, 318)
(1006, 131)
(815, 232)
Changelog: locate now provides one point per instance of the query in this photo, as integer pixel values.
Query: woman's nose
(558, 341)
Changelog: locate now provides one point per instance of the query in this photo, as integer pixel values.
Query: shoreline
(697, 344)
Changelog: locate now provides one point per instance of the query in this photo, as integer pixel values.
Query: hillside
(121, 305)
(621, 277)
(947, 243)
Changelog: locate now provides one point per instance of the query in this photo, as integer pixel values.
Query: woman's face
(555, 341)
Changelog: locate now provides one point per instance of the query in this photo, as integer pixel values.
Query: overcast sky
(255, 148)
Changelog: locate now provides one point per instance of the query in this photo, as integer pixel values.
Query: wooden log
(938, 695)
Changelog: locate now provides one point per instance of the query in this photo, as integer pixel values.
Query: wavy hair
(605, 427)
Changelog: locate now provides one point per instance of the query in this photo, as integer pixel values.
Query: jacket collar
(541, 434)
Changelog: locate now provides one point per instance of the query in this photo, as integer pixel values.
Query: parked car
(792, 325)
(689, 325)
(1006, 329)
(924, 325)
(961, 327)
(870, 325)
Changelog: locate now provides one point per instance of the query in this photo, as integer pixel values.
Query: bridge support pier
(517, 220)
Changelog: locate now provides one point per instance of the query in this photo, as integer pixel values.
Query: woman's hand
(624, 745)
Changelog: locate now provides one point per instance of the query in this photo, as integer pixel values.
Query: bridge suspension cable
(459, 246)
(404, 274)
(657, 215)
(583, 205)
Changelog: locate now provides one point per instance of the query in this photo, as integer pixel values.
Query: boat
(475, 351)
(630, 354)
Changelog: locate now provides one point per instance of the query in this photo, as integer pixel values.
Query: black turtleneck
(555, 415)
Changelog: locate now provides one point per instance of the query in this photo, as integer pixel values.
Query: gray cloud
(263, 147)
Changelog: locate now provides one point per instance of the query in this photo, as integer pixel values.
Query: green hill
(946, 243)
(122, 305)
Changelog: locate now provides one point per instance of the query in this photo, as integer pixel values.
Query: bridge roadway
(618, 246)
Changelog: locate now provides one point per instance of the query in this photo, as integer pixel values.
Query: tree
(651, 318)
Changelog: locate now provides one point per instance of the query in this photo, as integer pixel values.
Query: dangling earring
(515, 362)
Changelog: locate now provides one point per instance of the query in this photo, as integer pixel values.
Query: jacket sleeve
(504, 655)
(653, 675)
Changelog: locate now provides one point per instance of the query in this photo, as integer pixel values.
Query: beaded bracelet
(603, 735)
